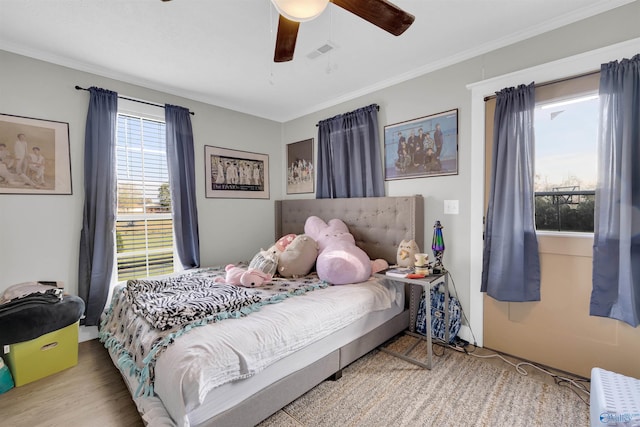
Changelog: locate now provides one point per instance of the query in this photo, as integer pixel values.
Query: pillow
(298, 258)
(265, 261)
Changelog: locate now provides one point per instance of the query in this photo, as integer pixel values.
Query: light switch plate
(451, 207)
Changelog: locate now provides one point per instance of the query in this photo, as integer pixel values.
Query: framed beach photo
(34, 156)
(235, 174)
(300, 169)
(422, 147)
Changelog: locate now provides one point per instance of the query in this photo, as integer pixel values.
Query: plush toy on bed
(291, 256)
(247, 277)
(378, 265)
(267, 261)
(339, 260)
(298, 258)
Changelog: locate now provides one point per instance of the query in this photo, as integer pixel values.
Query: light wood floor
(94, 394)
(91, 393)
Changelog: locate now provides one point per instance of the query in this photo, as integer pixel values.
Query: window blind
(144, 225)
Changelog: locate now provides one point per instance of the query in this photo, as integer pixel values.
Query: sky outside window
(566, 137)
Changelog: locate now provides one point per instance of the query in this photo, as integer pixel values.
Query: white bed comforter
(210, 356)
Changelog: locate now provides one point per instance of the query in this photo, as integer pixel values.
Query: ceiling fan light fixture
(300, 10)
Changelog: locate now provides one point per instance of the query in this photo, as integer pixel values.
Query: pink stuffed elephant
(339, 260)
(249, 278)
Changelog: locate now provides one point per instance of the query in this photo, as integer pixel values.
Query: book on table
(399, 271)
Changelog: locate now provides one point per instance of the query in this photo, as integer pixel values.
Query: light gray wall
(445, 89)
(39, 234)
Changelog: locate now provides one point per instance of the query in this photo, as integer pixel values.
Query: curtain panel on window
(180, 161)
(97, 237)
(349, 163)
(616, 249)
(511, 264)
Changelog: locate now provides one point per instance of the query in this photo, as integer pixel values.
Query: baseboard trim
(466, 334)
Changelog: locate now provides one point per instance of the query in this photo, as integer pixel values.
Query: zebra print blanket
(180, 300)
(146, 316)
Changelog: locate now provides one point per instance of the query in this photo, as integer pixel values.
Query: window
(144, 225)
(566, 134)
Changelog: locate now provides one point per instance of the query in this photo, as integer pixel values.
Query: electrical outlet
(451, 207)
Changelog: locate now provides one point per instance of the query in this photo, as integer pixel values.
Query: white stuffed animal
(299, 257)
(406, 253)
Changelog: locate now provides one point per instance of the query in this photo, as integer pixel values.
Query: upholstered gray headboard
(378, 224)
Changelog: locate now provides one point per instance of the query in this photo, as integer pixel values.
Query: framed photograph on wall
(34, 156)
(300, 169)
(233, 174)
(422, 147)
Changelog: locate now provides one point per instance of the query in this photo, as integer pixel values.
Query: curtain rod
(135, 100)
(376, 105)
(564, 79)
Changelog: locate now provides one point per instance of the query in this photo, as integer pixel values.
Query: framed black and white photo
(34, 156)
(235, 174)
(300, 169)
(422, 147)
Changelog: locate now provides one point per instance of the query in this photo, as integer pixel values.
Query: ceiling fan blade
(381, 13)
(286, 39)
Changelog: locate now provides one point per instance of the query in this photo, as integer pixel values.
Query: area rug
(382, 390)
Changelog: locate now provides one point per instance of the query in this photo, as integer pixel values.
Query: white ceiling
(221, 51)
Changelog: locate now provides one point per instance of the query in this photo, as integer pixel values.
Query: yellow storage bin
(43, 356)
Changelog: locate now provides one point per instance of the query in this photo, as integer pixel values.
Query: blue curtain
(97, 238)
(349, 163)
(616, 248)
(180, 160)
(511, 264)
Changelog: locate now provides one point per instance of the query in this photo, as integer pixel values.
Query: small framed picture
(34, 156)
(422, 147)
(300, 170)
(235, 174)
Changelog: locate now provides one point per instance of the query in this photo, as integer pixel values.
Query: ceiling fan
(381, 13)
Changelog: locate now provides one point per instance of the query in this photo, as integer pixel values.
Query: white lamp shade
(300, 10)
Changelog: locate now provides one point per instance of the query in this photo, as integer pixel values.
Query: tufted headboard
(378, 224)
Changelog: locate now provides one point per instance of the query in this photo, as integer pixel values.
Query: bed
(239, 371)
